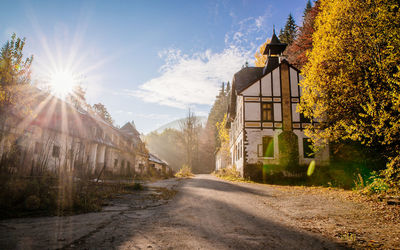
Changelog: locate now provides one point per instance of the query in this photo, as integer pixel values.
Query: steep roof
(245, 77)
(129, 129)
(241, 80)
(155, 159)
(271, 64)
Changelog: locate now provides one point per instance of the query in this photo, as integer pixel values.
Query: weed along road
(205, 212)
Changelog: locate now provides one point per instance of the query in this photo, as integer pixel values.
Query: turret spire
(274, 51)
(275, 47)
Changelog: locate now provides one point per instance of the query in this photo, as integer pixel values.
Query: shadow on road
(198, 217)
(206, 213)
(219, 185)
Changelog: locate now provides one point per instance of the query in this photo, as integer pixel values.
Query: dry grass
(184, 172)
(50, 195)
(229, 174)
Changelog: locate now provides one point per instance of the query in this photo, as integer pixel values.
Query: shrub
(375, 184)
(184, 172)
(230, 174)
(392, 174)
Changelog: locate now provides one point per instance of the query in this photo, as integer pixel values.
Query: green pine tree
(308, 8)
(288, 34)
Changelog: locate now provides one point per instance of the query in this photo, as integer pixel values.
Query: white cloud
(249, 29)
(259, 21)
(188, 80)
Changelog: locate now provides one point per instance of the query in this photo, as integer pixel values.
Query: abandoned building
(159, 165)
(56, 136)
(263, 110)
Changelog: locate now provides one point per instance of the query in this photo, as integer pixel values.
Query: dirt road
(205, 213)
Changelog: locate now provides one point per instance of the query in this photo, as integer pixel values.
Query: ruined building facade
(53, 135)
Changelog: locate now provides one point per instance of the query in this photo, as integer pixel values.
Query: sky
(146, 61)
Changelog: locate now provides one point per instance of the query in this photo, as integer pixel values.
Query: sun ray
(34, 113)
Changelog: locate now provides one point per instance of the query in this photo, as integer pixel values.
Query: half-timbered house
(263, 104)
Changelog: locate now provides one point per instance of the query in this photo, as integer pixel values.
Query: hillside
(176, 124)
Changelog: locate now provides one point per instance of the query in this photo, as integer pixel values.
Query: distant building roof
(155, 159)
(129, 128)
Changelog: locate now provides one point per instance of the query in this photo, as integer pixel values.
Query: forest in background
(192, 144)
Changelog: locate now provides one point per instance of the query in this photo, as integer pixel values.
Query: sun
(62, 82)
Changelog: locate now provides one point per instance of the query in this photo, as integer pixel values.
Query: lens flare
(62, 82)
(311, 168)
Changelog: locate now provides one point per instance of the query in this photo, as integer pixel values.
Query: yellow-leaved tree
(14, 72)
(260, 59)
(223, 136)
(352, 79)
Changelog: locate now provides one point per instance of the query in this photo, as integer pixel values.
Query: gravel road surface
(203, 212)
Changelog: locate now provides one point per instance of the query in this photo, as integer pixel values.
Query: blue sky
(147, 61)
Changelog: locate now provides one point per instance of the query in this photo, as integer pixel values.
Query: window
(307, 148)
(56, 151)
(240, 149)
(128, 167)
(38, 147)
(234, 154)
(99, 133)
(303, 119)
(115, 163)
(70, 154)
(267, 115)
(268, 146)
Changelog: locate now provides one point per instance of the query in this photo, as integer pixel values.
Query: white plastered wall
(237, 160)
(254, 139)
(252, 90)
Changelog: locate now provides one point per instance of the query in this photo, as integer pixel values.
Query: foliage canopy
(14, 71)
(102, 111)
(352, 79)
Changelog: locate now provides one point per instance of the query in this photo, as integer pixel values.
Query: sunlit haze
(147, 62)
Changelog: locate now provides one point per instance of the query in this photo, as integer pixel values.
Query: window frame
(271, 109)
(303, 119)
(38, 148)
(306, 141)
(266, 146)
(56, 151)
